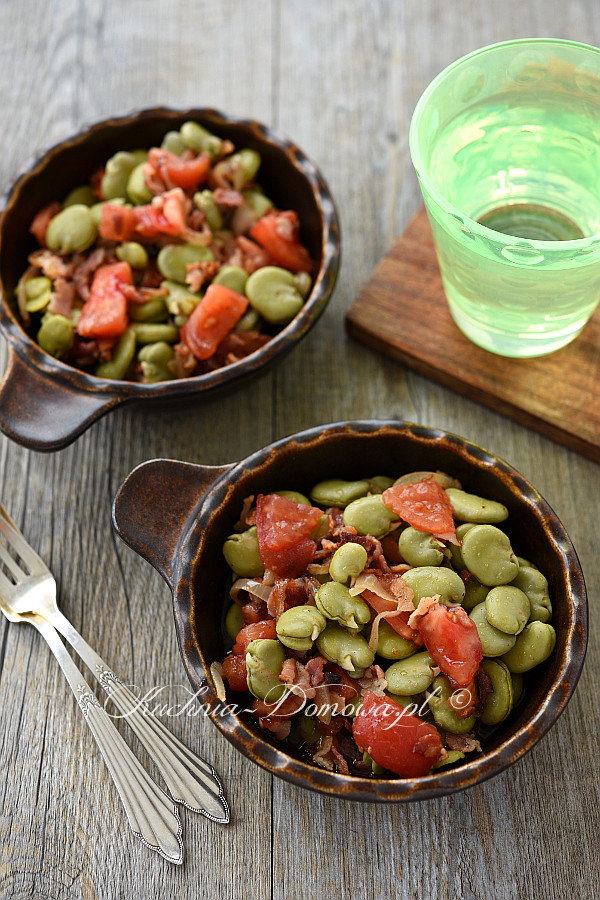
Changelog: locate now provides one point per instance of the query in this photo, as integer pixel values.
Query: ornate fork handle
(151, 813)
(190, 780)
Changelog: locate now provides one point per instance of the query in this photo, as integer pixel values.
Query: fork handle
(151, 813)
(190, 779)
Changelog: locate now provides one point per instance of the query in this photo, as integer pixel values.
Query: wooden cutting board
(402, 312)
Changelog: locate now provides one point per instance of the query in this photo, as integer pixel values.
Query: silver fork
(29, 594)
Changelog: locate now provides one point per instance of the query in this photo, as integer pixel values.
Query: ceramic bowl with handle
(177, 516)
(44, 403)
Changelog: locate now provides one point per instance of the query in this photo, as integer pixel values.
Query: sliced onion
(251, 586)
(374, 638)
(216, 672)
(371, 583)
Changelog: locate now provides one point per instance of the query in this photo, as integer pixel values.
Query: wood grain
(341, 79)
(402, 311)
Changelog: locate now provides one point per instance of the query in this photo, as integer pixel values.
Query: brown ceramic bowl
(44, 403)
(177, 515)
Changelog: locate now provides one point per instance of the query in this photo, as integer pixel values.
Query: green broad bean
(250, 321)
(379, 483)
(406, 702)
(72, 230)
(336, 602)
(517, 685)
(391, 645)
(118, 169)
(273, 293)
(429, 581)
(173, 259)
(499, 703)
(242, 555)
(535, 585)
(234, 621)
(233, 277)
(471, 508)
(369, 515)
(137, 189)
(238, 169)
(154, 361)
(197, 138)
(442, 478)
(445, 716)
(418, 548)
(121, 359)
(532, 647)
(56, 335)
(493, 641)
(304, 284)
(296, 496)
(308, 730)
(205, 201)
(152, 333)
(38, 292)
(451, 757)
(488, 555)
(133, 253)
(347, 562)
(525, 563)
(264, 661)
(507, 608)
(173, 143)
(257, 201)
(82, 194)
(337, 492)
(349, 650)
(180, 301)
(475, 593)
(299, 626)
(153, 311)
(411, 675)
(456, 552)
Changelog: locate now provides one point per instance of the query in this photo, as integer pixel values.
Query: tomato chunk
(117, 223)
(42, 219)
(452, 641)
(394, 738)
(284, 530)
(234, 672)
(212, 320)
(183, 173)
(277, 233)
(104, 315)
(424, 505)
(249, 633)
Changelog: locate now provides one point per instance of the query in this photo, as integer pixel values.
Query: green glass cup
(506, 145)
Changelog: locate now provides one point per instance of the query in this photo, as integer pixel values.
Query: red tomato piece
(284, 530)
(452, 641)
(234, 672)
(277, 233)
(424, 505)
(394, 738)
(183, 173)
(117, 223)
(42, 219)
(104, 315)
(398, 623)
(212, 320)
(254, 632)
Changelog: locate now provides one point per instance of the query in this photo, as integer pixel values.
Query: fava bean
(205, 201)
(153, 311)
(118, 169)
(348, 650)
(471, 508)
(152, 333)
(242, 554)
(369, 515)
(233, 277)
(137, 189)
(507, 609)
(499, 703)
(238, 169)
(379, 483)
(335, 601)
(250, 321)
(83, 194)
(273, 293)
(38, 292)
(173, 143)
(488, 555)
(180, 301)
(442, 478)
(55, 335)
(264, 662)
(296, 496)
(456, 551)
(337, 492)
(234, 621)
(347, 562)
(257, 201)
(133, 253)
(411, 675)
(475, 593)
(535, 585)
(517, 685)
(391, 645)
(427, 581)
(199, 139)
(524, 563)
(445, 716)
(308, 730)
(71, 230)
(122, 357)
(173, 259)
(154, 361)
(493, 641)
(419, 548)
(299, 626)
(451, 757)
(532, 647)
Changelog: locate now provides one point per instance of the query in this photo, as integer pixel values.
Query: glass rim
(416, 156)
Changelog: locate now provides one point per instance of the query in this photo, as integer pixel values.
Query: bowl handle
(153, 506)
(42, 413)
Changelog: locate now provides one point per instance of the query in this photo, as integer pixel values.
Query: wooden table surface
(342, 79)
